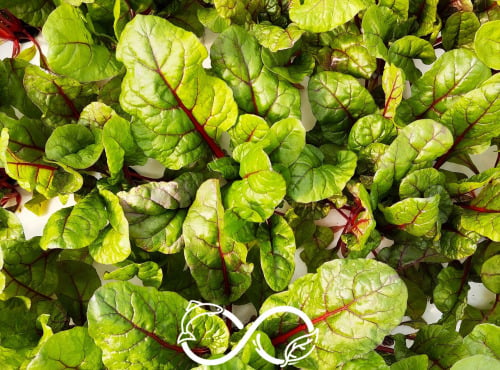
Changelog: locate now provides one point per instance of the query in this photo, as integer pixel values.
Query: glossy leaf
(124, 321)
(484, 339)
(148, 272)
(314, 177)
(249, 128)
(443, 346)
(77, 281)
(323, 15)
(472, 119)
(370, 129)
(477, 362)
(236, 58)
(23, 152)
(411, 363)
(490, 274)
(338, 101)
(393, 83)
(450, 294)
(378, 27)
(261, 189)
(487, 44)
(351, 320)
(77, 226)
(217, 263)
(483, 214)
(277, 252)
(276, 38)
(418, 143)
(72, 50)
(75, 145)
(112, 245)
(403, 51)
(293, 64)
(315, 251)
(72, 348)
(164, 86)
(459, 30)
(455, 73)
(28, 270)
(417, 216)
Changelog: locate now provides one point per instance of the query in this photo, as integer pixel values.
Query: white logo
(298, 344)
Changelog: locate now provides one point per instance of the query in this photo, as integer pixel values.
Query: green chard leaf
(473, 119)
(450, 294)
(490, 275)
(294, 64)
(276, 38)
(124, 321)
(315, 251)
(378, 27)
(337, 101)
(75, 145)
(148, 272)
(417, 144)
(443, 346)
(76, 226)
(72, 50)
(155, 212)
(487, 44)
(403, 51)
(22, 151)
(61, 99)
(277, 252)
(12, 90)
(314, 176)
(393, 83)
(217, 263)
(459, 30)
(425, 11)
(72, 348)
(181, 110)
(477, 362)
(261, 189)
(77, 281)
(370, 129)
(28, 270)
(324, 15)
(454, 73)
(483, 213)
(236, 58)
(112, 245)
(369, 300)
(484, 339)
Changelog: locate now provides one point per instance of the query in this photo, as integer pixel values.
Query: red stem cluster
(13, 29)
(352, 224)
(7, 183)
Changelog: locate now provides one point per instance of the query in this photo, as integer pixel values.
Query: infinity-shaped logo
(299, 344)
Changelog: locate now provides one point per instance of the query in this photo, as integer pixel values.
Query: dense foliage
(125, 82)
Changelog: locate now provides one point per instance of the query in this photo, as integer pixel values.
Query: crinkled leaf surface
(148, 272)
(477, 362)
(417, 216)
(277, 252)
(418, 143)
(29, 271)
(443, 346)
(236, 58)
(22, 151)
(337, 101)
(487, 44)
(217, 263)
(454, 73)
(323, 15)
(261, 189)
(393, 83)
(484, 339)
(181, 109)
(77, 281)
(490, 274)
(72, 348)
(75, 145)
(313, 178)
(370, 129)
(368, 301)
(460, 30)
(276, 38)
(77, 226)
(403, 51)
(138, 326)
(483, 214)
(73, 51)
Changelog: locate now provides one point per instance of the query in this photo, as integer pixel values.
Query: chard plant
(245, 188)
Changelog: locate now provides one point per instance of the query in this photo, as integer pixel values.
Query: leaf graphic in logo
(299, 345)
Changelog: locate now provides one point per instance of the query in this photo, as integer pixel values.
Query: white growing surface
(33, 225)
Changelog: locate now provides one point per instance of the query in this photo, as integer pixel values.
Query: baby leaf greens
(215, 150)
